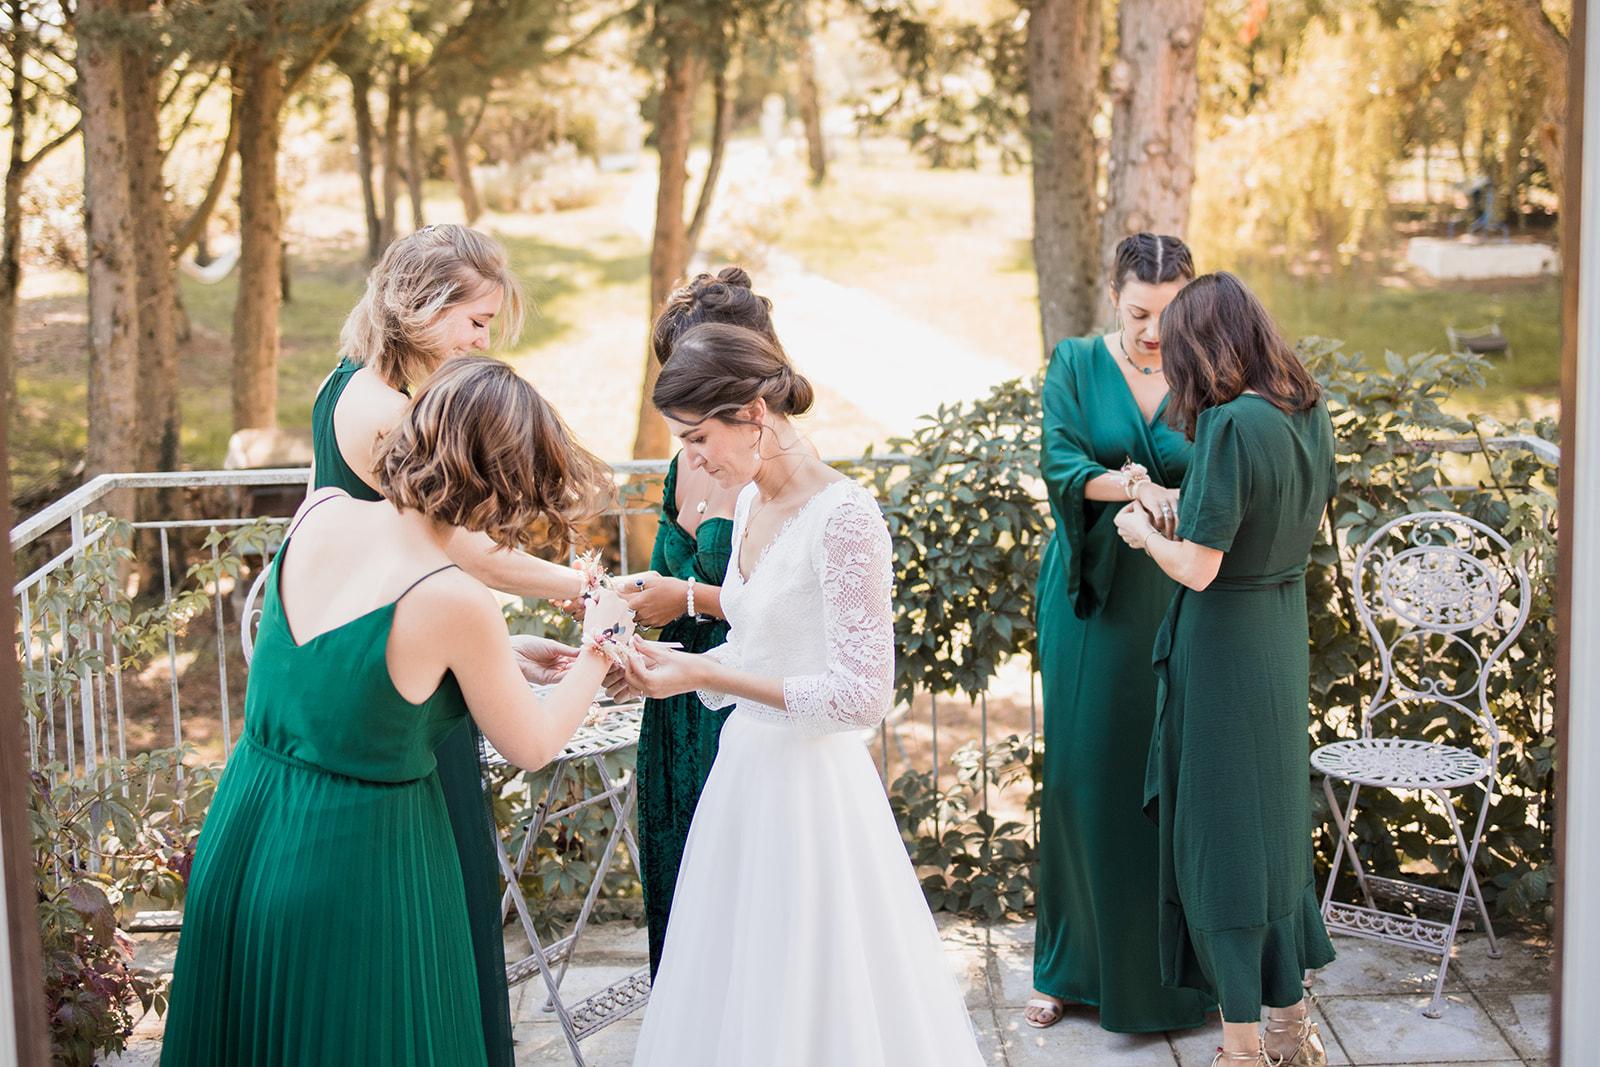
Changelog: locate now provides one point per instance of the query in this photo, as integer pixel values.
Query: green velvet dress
(1227, 779)
(471, 819)
(1099, 606)
(678, 738)
(325, 921)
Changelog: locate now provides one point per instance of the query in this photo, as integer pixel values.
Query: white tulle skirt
(799, 936)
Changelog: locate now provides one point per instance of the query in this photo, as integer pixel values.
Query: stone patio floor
(1368, 1001)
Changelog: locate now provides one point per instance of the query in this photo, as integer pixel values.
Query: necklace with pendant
(700, 508)
(1123, 345)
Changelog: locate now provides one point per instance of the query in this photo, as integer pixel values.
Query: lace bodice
(815, 610)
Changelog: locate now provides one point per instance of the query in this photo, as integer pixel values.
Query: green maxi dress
(471, 818)
(325, 921)
(1227, 780)
(678, 738)
(1099, 606)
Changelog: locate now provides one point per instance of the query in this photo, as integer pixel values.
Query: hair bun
(735, 276)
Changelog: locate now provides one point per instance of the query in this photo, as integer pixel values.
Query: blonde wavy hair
(479, 448)
(394, 327)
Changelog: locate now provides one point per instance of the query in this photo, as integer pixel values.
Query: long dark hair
(1217, 342)
(716, 369)
(727, 296)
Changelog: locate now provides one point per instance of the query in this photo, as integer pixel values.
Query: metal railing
(82, 714)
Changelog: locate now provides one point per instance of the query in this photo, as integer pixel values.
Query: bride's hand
(659, 670)
(1161, 505)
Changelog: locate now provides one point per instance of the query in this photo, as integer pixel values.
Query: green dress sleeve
(668, 517)
(1067, 464)
(1217, 487)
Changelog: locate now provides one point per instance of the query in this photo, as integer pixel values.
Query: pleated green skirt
(326, 924)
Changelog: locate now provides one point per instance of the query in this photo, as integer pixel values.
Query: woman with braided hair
(1099, 606)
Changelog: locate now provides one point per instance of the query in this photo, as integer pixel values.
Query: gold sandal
(1308, 1052)
(1258, 1058)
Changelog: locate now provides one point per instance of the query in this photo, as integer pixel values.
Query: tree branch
(194, 108)
(195, 225)
(50, 146)
(297, 73)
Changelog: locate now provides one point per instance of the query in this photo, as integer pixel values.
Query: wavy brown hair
(1218, 342)
(392, 328)
(479, 448)
(727, 296)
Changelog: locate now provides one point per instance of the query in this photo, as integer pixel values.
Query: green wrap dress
(460, 778)
(1227, 779)
(325, 921)
(678, 738)
(1099, 606)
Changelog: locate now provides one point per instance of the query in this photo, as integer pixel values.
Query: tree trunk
(1154, 89)
(721, 123)
(113, 299)
(11, 225)
(391, 157)
(255, 312)
(413, 159)
(1063, 57)
(810, 100)
(669, 248)
(461, 166)
(1551, 48)
(360, 86)
(158, 311)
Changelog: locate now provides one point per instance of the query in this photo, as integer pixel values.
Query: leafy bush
(969, 524)
(127, 829)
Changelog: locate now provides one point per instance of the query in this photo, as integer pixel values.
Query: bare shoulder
(369, 405)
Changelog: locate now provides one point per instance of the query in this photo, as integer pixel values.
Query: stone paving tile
(581, 981)
(971, 966)
(1195, 1048)
(1366, 967)
(1011, 981)
(1392, 1029)
(1523, 964)
(1077, 1040)
(545, 1045)
(1524, 1019)
(990, 1043)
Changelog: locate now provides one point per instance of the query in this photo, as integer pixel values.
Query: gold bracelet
(1145, 548)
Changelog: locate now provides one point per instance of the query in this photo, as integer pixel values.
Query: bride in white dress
(798, 935)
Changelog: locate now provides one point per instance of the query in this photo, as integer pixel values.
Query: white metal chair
(1432, 590)
(250, 617)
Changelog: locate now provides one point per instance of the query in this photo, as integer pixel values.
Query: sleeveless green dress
(325, 921)
(1228, 780)
(678, 737)
(471, 818)
(1099, 605)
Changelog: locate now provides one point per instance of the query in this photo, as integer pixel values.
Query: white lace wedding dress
(799, 936)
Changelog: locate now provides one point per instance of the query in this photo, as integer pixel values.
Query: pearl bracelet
(689, 597)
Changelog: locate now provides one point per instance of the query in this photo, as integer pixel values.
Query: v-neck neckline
(1133, 398)
(744, 531)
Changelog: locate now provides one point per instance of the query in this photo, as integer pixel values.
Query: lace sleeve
(728, 657)
(857, 689)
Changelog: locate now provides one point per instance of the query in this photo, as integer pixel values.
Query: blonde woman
(435, 296)
(326, 921)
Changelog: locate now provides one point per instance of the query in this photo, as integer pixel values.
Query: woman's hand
(541, 660)
(1134, 524)
(655, 599)
(659, 670)
(1161, 505)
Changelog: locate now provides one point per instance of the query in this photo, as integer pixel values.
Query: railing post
(86, 683)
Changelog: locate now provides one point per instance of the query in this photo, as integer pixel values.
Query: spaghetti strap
(331, 496)
(419, 581)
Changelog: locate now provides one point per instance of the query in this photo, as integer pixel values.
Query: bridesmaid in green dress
(433, 297)
(1099, 606)
(326, 919)
(1227, 780)
(678, 737)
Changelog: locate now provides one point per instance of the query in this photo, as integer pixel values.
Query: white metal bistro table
(615, 730)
